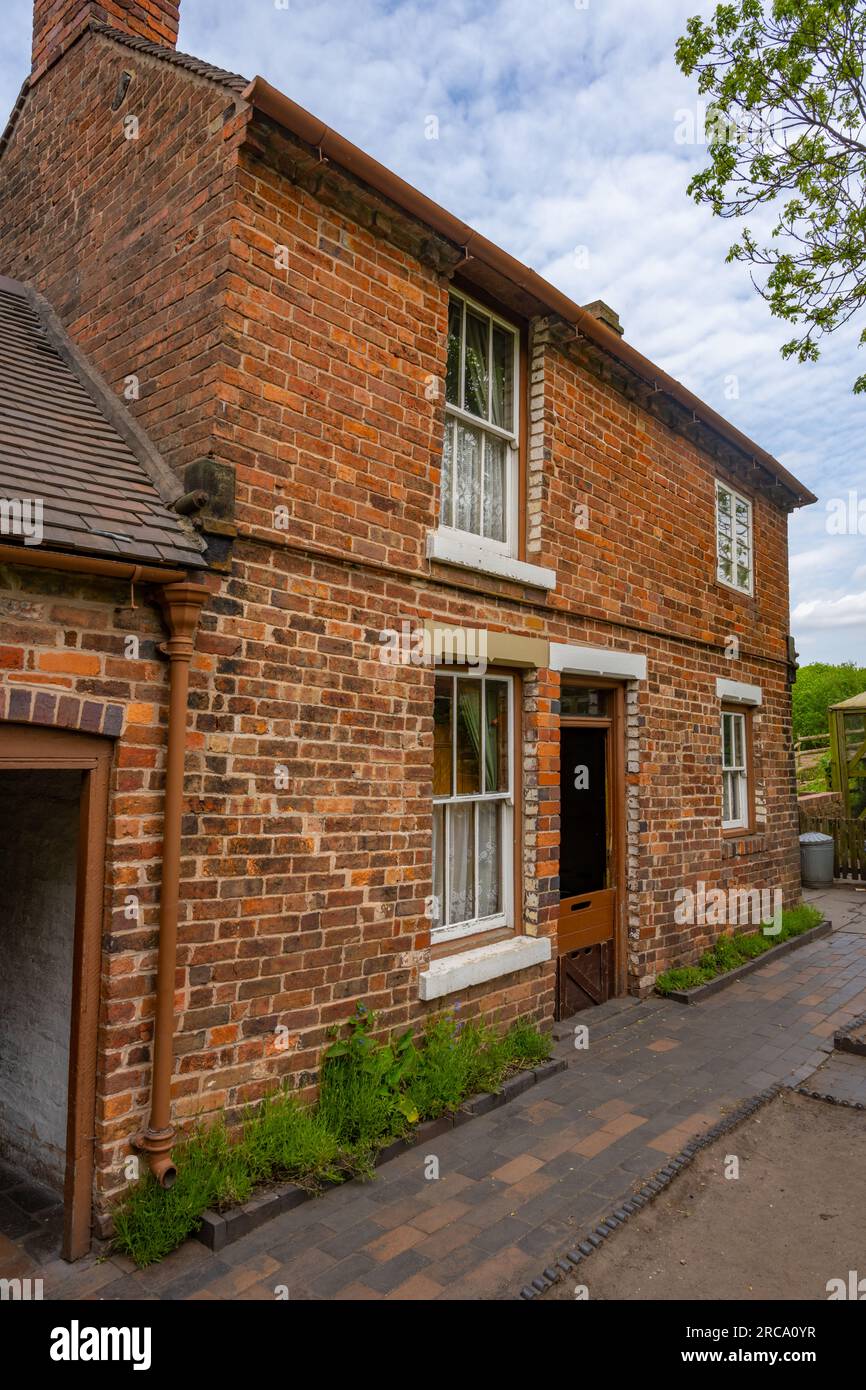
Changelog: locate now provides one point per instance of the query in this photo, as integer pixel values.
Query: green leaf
(407, 1109)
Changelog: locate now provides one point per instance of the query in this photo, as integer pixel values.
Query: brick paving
(842, 1076)
(517, 1186)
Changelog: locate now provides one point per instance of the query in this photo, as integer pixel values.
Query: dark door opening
(583, 812)
(39, 839)
(53, 816)
(587, 885)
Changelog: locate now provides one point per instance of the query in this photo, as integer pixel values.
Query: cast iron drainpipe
(182, 604)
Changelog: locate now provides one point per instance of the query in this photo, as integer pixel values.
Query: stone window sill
(737, 845)
(452, 973)
(451, 550)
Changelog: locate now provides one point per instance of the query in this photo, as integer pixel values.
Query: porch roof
(69, 448)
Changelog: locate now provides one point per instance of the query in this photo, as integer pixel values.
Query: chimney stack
(602, 311)
(57, 22)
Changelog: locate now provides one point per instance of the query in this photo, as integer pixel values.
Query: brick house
(483, 616)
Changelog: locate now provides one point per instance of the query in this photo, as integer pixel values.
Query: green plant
(730, 951)
(525, 1047)
(682, 977)
(362, 1099)
(725, 955)
(750, 945)
(150, 1220)
(818, 686)
(372, 1091)
(786, 90)
(450, 1065)
(796, 920)
(286, 1141)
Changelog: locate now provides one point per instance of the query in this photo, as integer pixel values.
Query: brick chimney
(600, 310)
(57, 22)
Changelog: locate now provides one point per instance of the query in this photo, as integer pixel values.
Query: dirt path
(793, 1219)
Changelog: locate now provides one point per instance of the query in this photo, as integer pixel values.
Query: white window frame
(736, 773)
(476, 925)
(456, 414)
(736, 549)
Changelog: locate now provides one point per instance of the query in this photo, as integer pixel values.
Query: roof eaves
(14, 114)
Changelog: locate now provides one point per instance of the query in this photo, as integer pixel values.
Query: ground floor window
(736, 792)
(473, 804)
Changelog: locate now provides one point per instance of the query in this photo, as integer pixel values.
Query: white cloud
(846, 612)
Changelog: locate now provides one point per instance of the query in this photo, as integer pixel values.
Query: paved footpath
(519, 1185)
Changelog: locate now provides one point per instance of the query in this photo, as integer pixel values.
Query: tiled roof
(67, 441)
(232, 80)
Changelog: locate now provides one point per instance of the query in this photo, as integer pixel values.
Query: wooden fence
(849, 842)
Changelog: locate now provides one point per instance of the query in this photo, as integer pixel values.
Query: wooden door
(588, 867)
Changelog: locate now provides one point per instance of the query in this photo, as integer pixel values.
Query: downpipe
(182, 604)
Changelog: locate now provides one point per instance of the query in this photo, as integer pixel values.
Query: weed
(372, 1091)
(730, 951)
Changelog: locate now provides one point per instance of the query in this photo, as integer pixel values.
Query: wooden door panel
(586, 920)
(583, 978)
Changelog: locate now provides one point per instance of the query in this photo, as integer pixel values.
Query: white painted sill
(451, 550)
(483, 963)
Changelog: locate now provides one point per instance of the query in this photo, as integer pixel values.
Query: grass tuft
(730, 951)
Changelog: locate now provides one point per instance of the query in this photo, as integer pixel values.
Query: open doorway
(53, 795)
(39, 825)
(590, 847)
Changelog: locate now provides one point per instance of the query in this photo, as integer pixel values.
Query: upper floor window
(479, 467)
(734, 564)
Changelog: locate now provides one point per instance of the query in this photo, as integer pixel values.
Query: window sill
(460, 971)
(735, 589)
(739, 844)
(464, 553)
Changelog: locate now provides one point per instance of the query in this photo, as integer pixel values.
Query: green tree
(787, 141)
(817, 687)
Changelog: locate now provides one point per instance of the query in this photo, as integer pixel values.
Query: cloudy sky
(560, 136)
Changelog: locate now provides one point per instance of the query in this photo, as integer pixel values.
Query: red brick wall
(641, 480)
(643, 575)
(71, 639)
(327, 412)
(311, 379)
(315, 350)
(126, 236)
(57, 22)
(316, 894)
